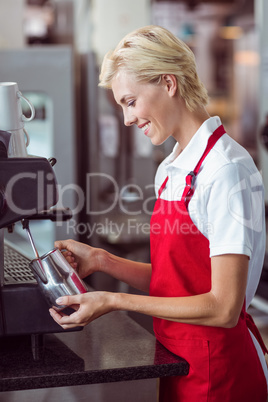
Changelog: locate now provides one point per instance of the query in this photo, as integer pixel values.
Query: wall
(11, 22)
(112, 20)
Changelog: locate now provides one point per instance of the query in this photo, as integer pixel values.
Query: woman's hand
(82, 257)
(219, 307)
(88, 306)
(86, 260)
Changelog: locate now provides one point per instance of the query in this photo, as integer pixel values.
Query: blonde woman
(207, 229)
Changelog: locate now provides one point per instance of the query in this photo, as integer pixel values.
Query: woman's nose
(129, 119)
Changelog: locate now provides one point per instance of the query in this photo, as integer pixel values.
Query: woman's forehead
(123, 83)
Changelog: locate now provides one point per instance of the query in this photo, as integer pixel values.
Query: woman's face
(150, 106)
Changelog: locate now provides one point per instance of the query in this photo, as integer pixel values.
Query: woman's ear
(170, 81)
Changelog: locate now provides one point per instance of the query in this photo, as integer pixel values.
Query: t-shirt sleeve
(234, 210)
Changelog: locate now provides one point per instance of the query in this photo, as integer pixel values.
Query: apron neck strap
(162, 186)
(190, 178)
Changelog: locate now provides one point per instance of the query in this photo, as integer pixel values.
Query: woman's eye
(131, 103)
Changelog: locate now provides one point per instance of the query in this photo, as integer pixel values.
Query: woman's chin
(157, 141)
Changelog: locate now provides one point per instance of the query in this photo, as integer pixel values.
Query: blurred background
(53, 50)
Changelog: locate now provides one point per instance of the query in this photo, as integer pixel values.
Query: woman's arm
(86, 260)
(135, 274)
(220, 307)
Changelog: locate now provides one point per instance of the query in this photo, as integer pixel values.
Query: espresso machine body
(28, 190)
(24, 310)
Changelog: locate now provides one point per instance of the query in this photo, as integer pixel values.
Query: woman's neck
(188, 124)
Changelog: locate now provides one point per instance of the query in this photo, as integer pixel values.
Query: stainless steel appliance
(56, 277)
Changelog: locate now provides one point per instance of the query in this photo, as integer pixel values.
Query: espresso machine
(28, 190)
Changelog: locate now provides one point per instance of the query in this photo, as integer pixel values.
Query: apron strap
(253, 328)
(162, 186)
(190, 178)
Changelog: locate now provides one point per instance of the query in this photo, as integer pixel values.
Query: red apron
(224, 364)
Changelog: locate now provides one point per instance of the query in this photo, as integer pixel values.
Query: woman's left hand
(88, 306)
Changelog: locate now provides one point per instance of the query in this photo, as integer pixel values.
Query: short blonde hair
(150, 52)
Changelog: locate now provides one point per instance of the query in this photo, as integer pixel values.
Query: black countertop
(112, 348)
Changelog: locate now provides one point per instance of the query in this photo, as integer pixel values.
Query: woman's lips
(145, 127)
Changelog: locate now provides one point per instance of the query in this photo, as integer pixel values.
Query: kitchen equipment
(54, 274)
(28, 190)
(25, 224)
(12, 118)
(56, 277)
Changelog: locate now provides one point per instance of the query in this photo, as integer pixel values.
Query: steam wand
(25, 225)
(41, 271)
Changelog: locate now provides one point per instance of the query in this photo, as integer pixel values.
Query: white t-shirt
(228, 203)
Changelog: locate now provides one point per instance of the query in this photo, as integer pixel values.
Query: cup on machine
(12, 119)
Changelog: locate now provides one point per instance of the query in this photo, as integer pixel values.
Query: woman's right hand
(82, 257)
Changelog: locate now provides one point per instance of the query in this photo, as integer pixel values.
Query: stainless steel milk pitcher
(56, 277)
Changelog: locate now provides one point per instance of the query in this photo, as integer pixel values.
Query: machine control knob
(52, 161)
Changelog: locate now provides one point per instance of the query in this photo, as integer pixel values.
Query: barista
(207, 229)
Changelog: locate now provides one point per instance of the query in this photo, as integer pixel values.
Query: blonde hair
(150, 52)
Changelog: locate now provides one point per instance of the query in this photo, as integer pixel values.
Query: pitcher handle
(24, 118)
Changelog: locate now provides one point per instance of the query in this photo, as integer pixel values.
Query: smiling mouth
(145, 128)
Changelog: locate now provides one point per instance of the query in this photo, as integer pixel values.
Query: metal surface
(32, 242)
(16, 268)
(61, 278)
(23, 308)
